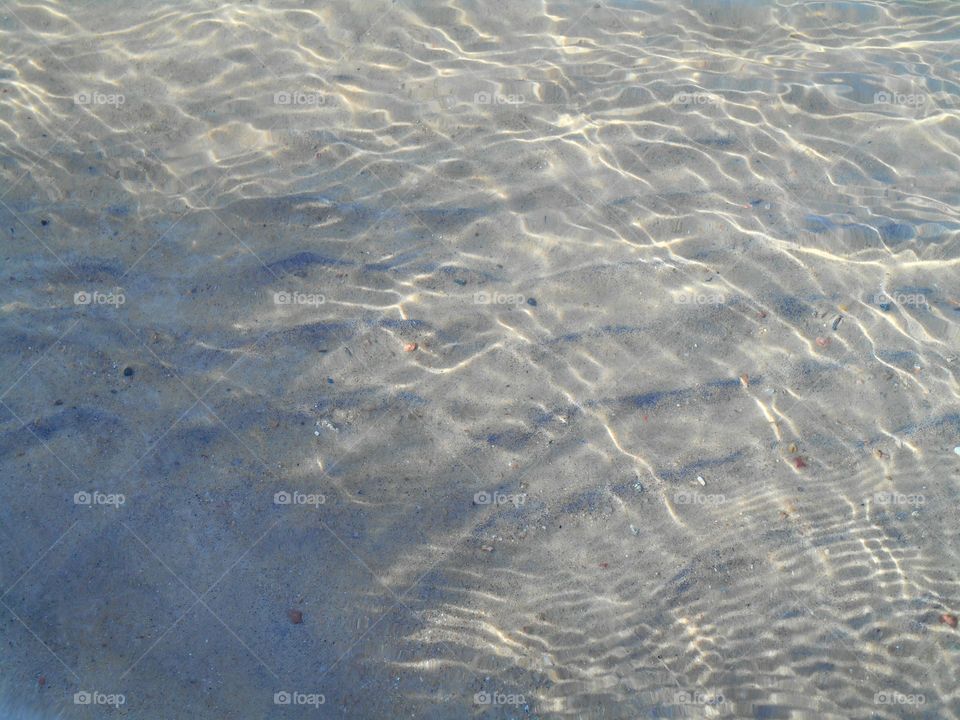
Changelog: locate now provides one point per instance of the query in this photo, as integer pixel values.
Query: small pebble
(532, 302)
(604, 565)
(823, 342)
(957, 449)
(949, 619)
(792, 448)
(410, 347)
(745, 379)
(836, 323)
(296, 617)
(127, 371)
(486, 548)
(799, 463)
(701, 481)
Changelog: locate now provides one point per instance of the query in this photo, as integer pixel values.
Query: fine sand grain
(469, 358)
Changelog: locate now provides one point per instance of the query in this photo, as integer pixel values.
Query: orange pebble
(410, 347)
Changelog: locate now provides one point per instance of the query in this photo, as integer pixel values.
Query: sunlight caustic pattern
(470, 359)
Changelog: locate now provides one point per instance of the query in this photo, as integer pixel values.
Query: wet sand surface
(479, 359)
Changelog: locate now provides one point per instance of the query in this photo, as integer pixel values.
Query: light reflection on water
(680, 276)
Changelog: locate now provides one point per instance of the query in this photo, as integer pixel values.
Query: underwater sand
(479, 359)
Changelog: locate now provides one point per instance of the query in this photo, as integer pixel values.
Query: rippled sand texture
(620, 235)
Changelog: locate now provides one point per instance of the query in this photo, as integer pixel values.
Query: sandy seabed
(479, 359)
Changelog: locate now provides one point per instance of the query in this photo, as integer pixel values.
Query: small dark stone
(44, 222)
(329, 381)
(532, 302)
(296, 617)
(460, 282)
(58, 402)
(127, 371)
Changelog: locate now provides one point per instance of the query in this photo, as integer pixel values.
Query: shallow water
(634, 466)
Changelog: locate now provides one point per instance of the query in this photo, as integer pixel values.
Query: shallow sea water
(550, 359)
